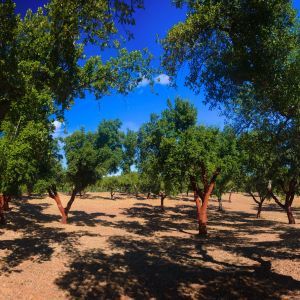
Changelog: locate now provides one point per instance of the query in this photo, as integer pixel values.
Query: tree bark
(54, 195)
(70, 202)
(148, 195)
(136, 191)
(259, 210)
(201, 215)
(112, 195)
(205, 195)
(6, 200)
(289, 213)
(230, 194)
(2, 218)
(287, 206)
(220, 204)
(162, 198)
(202, 209)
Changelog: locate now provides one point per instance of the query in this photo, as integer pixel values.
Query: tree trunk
(205, 194)
(148, 195)
(230, 197)
(162, 198)
(220, 204)
(70, 202)
(54, 195)
(287, 206)
(201, 215)
(136, 191)
(112, 195)
(290, 214)
(2, 218)
(6, 200)
(259, 210)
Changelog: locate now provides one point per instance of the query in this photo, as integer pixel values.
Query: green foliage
(246, 53)
(228, 179)
(108, 141)
(43, 65)
(27, 153)
(110, 183)
(129, 143)
(160, 171)
(247, 56)
(93, 155)
(129, 182)
(82, 159)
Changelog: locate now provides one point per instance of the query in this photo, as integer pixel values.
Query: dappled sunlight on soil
(127, 248)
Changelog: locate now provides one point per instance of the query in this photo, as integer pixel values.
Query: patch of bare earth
(128, 249)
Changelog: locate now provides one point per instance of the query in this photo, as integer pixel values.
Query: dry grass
(126, 248)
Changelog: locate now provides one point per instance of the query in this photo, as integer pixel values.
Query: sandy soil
(127, 249)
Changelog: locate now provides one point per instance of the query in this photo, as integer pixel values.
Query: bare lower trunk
(148, 195)
(2, 218)
(136, 191)
(290, 215)
(162, 198)
(61, 209)
(205, 195)
(112, 195)
(259, 210)
(54, 195)
(201, 216)
(70, 202)
(230, 194)
(6, 200)
(287, 206)
(220, 204)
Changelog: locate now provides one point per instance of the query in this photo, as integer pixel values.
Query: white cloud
(57, 125)
(58, 131)
(144, 82)
(162, 79)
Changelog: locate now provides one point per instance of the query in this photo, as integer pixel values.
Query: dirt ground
(128, 249)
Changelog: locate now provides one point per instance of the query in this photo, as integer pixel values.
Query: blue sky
(135, 108)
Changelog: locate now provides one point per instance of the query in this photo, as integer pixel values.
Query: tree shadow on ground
(33, 240)
(81, 218)
(184, 267)
(170, 268)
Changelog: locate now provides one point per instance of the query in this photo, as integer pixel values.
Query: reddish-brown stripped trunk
(6, 200)
(70, 202)
(289, 198)
(202, 208)
(54, 195)
(204, 195)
